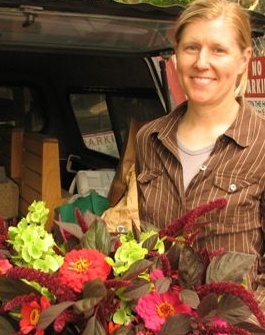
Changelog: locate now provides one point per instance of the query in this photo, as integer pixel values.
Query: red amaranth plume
(227, 287)
(17, 301)
(166, 267)
(116, 284)
(65, 318)
(51, 282)
(228, 330)
(82, 222)
(3, 233)
(187, 220)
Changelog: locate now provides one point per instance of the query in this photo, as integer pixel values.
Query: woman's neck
(201, 125)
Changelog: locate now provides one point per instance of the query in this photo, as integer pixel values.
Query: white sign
(103, 142)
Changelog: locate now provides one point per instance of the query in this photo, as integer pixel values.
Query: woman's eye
(219, 50)
(192, 48)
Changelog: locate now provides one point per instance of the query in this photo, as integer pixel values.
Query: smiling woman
(212, 145)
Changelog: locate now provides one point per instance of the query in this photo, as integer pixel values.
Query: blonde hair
(235, 15)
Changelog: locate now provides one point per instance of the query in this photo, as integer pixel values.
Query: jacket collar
(242, 130)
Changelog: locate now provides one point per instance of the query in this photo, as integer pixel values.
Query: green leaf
(94, 327)
(97, 237)
(190, 267)
(177, 324)
(233, 309)
(136, 269)
(190, 297)
(50, 314)
(230, 266)
(6, 327)
(162, 284)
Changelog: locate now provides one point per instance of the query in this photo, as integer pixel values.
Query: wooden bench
(40, 174)
(11, 142)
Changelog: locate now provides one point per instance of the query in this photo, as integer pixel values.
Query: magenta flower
(220, 323)
(155, 308)
(156, 274)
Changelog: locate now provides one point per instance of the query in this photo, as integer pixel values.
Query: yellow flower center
(81, 265)
(34, 316)
(164, 310)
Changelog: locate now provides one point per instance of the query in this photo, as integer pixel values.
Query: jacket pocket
(232, 184)
(147, 176)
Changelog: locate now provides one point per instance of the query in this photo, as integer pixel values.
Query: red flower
(81, 266)
(112, 327)
(154, 308)
(4, 266)
(31, 315)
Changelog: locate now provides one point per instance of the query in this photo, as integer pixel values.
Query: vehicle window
(20, 107)
(104, 118)
(94, 122)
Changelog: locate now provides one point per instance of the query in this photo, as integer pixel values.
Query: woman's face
(209, 61)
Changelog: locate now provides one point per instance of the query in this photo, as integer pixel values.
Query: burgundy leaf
(137, 268)
(177, 324)
(163, 284)
(229, 266)
(232, 309)
(6, 327)
(50, 314)
(190, 297)
(136, 291)
(190, 267)
(208, 306)
(94, 327)
(150, 242)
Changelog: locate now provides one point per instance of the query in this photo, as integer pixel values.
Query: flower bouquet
(81, 279)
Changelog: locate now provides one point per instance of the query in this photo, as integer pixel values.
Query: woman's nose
(203, 59)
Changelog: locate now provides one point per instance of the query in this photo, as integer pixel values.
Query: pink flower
(220, 323)
(154, 308)
(31, 315)
(4, 266)
(81, 266)
(156, 274)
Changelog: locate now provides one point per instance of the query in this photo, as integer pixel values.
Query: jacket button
(232, 187)
(121, 229)
(203, 167)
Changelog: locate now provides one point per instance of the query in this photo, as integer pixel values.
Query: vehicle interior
(79, 72)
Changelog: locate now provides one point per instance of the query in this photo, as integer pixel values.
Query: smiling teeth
(202, 80)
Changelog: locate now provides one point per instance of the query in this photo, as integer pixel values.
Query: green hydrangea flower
(124, 314)
(127, 254)
(34, 246)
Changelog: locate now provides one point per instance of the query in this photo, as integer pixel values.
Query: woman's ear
(246, 55)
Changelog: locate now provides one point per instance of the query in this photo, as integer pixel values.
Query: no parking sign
(255, 92)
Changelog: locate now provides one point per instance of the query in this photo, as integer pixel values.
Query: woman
(212, 146)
